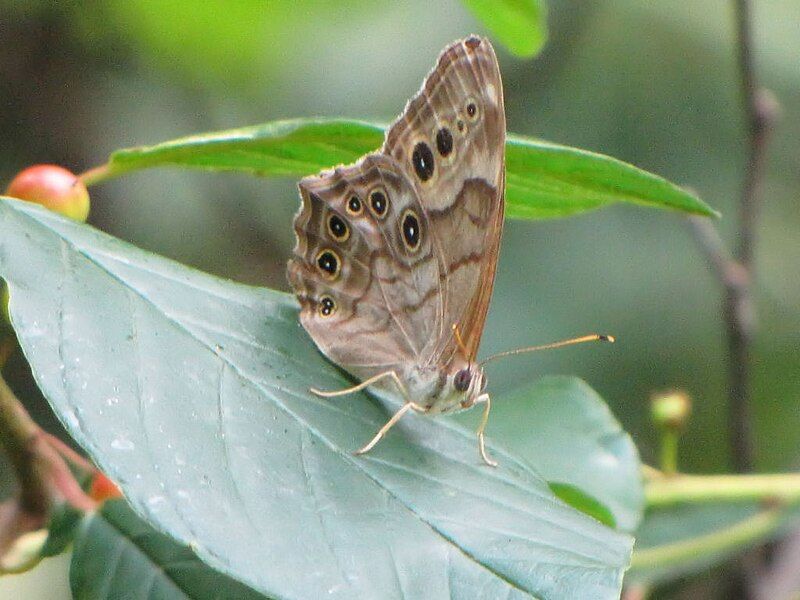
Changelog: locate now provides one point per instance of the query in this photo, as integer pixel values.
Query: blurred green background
(652, 83)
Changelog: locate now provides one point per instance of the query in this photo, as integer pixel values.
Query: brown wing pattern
(381, 289)
(385, 306)
(459, 115)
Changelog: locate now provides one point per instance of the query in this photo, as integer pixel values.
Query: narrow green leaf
(192, 393)
(543, 180)
(547, 180)
(518, 24)
(117, 555)
(585, 503)
(292, 148)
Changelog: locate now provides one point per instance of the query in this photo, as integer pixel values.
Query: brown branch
(18, 434)
(38, 460)
(736, 273)
(761, 110)
(738, 315)
(43, 475)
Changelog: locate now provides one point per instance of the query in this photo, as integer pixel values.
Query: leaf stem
(748, 531)
(97, 175)
(667, 490)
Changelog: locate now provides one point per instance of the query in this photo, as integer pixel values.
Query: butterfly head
(471, 382)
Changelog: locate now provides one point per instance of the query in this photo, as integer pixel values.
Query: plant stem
(18, 434)
(667, 490)
(96, 175)
(760, 110)
(730, 539)
(735, 273)
(669, 452)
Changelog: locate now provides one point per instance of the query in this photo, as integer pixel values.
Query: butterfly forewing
(451, 141)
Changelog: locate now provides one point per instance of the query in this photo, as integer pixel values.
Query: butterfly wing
(364, 268)
(450, 139)
(394, 250)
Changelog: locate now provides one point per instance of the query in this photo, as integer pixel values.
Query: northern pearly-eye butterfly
(396, 255)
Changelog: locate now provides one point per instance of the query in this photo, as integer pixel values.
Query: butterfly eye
(444, 141)
(338, 228)
(354, 206)
(410, 230)
(472, 111)
(379, 203)
(422, 159)
(328, 264)
(462, 379)
(326, 306)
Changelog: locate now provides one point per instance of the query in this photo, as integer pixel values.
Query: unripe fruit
(54, 188)
(670, 410)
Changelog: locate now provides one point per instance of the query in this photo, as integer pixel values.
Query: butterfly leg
(409, 405)
(485, 419)
(364, 384)
(389, 424)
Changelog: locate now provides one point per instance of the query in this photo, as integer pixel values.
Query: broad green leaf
(543, 180)
(192, 394)
(518, 24)
(117, 555)
(571, 420)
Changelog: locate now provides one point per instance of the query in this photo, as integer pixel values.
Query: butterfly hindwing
(376, 308)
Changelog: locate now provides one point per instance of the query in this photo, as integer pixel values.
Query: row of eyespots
(378, 204)
(422, 157)
(329, 263)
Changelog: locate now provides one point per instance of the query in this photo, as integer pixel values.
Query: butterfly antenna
(594, 337)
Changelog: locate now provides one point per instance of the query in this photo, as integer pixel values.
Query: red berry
(53, 187)
(103, 489)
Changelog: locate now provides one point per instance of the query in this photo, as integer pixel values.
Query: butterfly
(396, 254)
